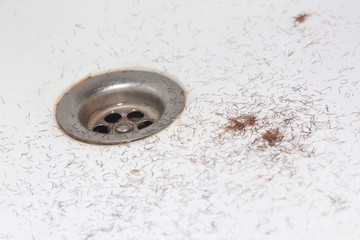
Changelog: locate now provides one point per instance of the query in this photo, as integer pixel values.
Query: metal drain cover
(119, 107)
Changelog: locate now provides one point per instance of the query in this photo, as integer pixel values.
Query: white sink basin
(200, 178)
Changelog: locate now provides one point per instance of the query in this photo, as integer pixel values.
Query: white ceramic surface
(193, 180)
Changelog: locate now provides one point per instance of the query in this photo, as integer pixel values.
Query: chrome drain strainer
(119, 107)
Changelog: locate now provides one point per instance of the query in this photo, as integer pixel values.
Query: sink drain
(119, 107)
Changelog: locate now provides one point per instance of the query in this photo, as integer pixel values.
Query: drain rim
(169, 92)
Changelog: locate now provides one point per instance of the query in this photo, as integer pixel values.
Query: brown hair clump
(240, 123)
(273, 136)
(250, 120)
(300, 18)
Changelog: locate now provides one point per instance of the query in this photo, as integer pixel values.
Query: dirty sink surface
(266, 148)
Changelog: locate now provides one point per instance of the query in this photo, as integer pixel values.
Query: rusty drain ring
(119, 107)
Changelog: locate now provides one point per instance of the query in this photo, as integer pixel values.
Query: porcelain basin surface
(267, 146)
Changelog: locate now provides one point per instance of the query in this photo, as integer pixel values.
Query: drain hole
(119, 107)
(112, 118)
(144, 124)
(135, 114)
(101, 129)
